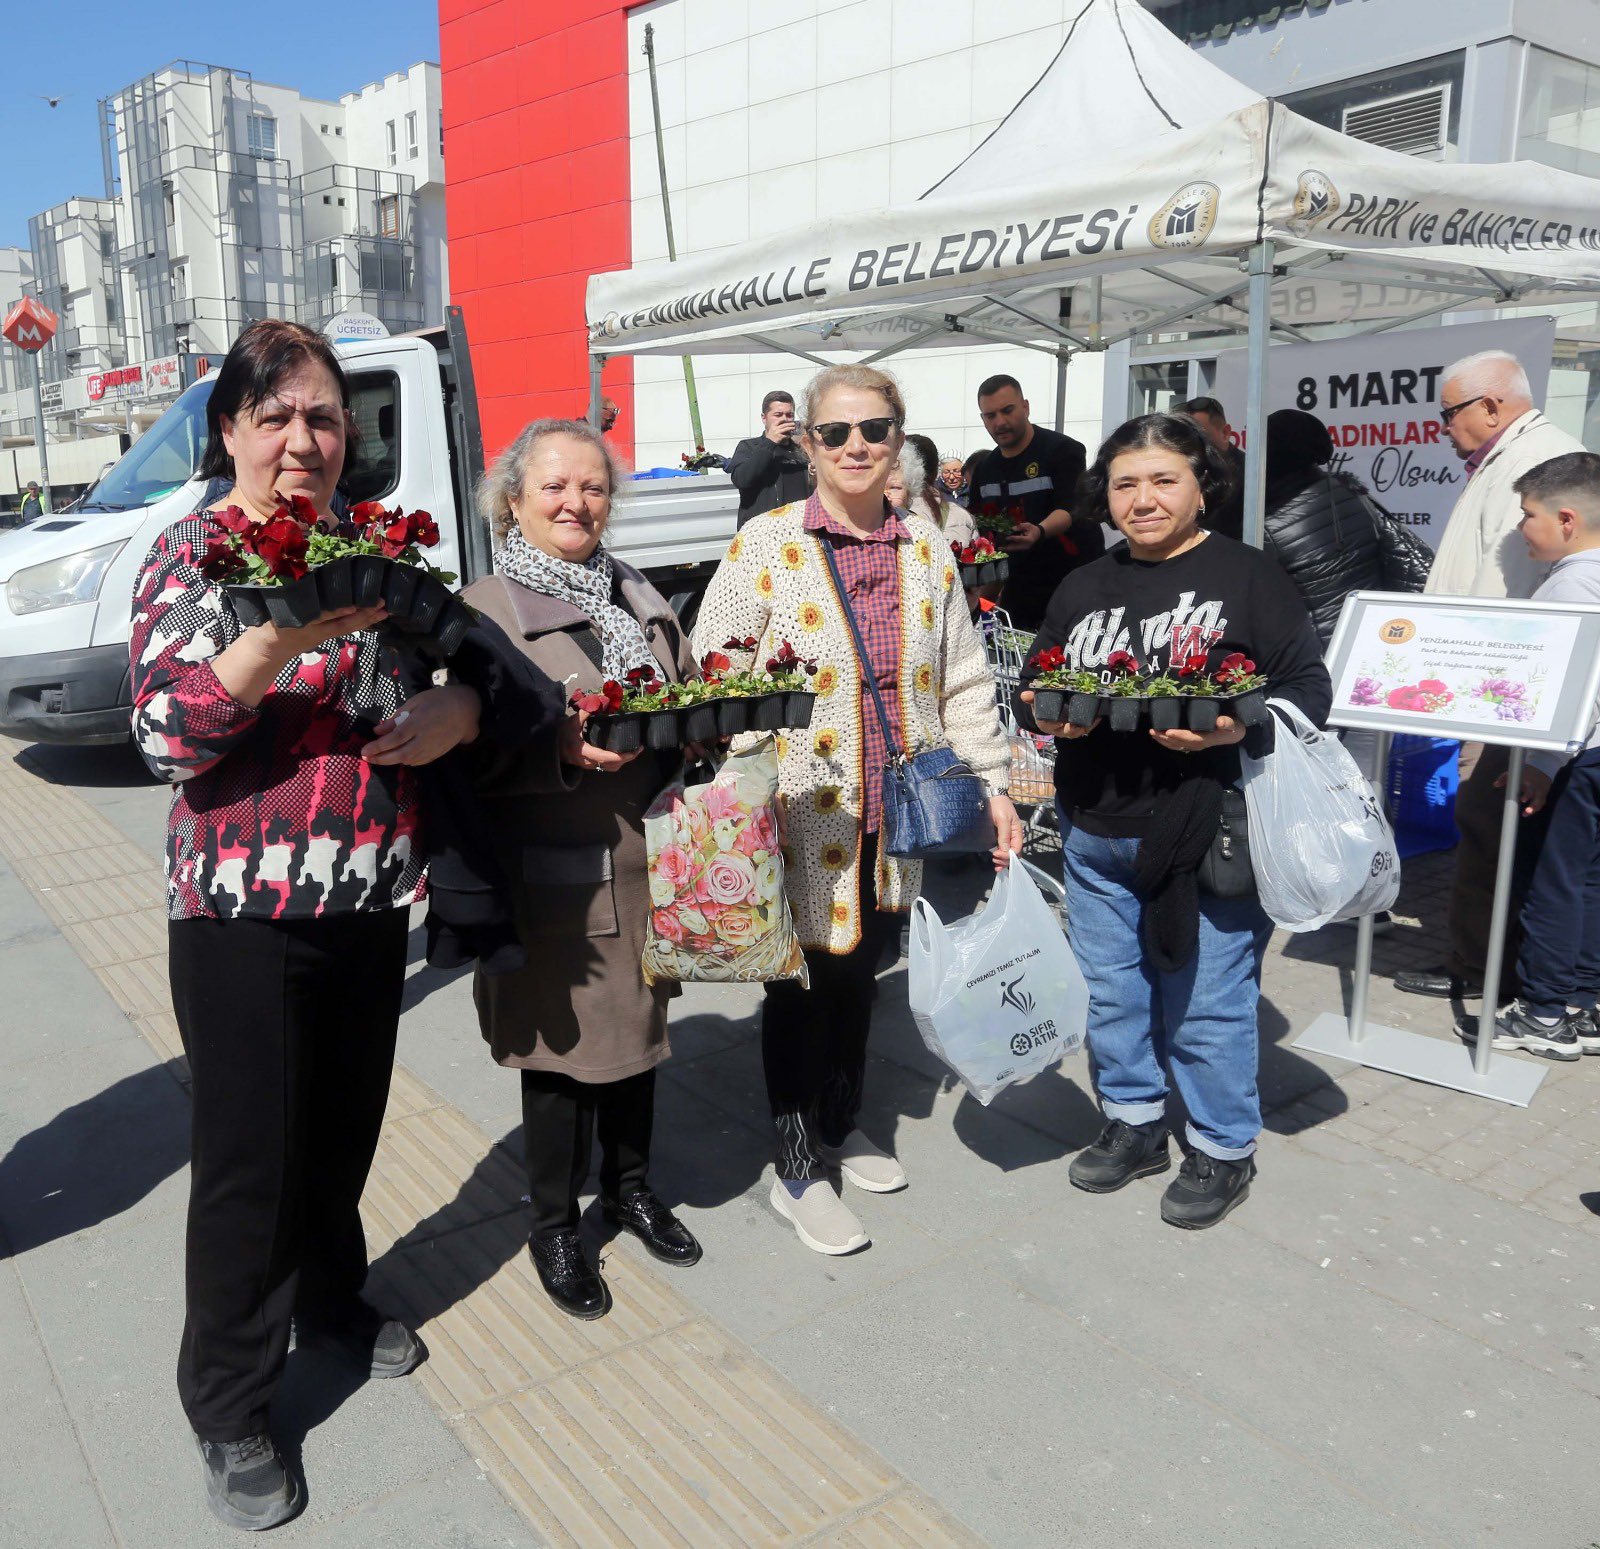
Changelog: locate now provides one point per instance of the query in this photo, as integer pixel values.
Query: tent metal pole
(1175, 314)
(1183, 284)
(1385, 324)
(1062, 357)
(905, 344)
(1255, 466)
(1044, 323)
(596, 366)
(786, 349)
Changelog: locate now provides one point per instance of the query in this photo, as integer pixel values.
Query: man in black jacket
(770, 470)
(1211, 417)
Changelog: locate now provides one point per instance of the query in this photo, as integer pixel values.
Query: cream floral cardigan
(773, 585)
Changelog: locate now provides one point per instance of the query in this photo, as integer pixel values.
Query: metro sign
(30, 325)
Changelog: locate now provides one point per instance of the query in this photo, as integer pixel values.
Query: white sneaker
(820, 1218)
(865, 1165)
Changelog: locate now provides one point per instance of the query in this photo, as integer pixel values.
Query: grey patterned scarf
(588, 588)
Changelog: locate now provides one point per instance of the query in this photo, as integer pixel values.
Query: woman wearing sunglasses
(896, 577)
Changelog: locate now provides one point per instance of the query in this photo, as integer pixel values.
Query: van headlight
(59, 583)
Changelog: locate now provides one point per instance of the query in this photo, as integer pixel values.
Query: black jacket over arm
(767, 475)
(1322, 528)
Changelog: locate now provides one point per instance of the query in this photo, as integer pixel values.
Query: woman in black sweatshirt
(1174, 973)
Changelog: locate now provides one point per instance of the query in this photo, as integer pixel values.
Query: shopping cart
(1033, 762)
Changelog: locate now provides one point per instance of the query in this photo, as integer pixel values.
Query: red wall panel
(537, 196)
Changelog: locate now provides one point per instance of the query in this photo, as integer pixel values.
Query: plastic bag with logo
(718, 912)
(997, 996)
(1319, 842)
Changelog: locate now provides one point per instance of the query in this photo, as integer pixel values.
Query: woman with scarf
(1174, 972)
(578, 1021)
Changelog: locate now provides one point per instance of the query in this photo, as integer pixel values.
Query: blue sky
(87, 51)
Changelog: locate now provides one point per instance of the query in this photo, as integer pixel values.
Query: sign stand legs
(1443, 1062)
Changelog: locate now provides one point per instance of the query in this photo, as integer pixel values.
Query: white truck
(66, 581)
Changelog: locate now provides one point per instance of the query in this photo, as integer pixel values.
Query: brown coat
(574, 849)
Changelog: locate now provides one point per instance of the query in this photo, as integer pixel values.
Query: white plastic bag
(1319, 842)
(997, 996)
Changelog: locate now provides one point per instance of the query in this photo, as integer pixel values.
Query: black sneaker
(247, 1484)
(1205, 1190)
(366, 1342)
(1515, 1027)
(1122, 1153)
(1586, 1025)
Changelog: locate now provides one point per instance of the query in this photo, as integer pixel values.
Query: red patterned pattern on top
(869, 566)
(276, 814)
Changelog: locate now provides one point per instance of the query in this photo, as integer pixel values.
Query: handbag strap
(861, 645)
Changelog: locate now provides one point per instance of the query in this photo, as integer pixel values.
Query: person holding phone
(770, 470)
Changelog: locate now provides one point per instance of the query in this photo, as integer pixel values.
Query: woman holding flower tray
(579, 1022)
(899, 581)
(294, 847)
(1174, 971)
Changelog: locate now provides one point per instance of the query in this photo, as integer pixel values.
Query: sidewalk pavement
(1393, 1342)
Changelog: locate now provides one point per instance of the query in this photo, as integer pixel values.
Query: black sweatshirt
(1220, 595)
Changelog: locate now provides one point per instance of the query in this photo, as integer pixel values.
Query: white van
(66, 582)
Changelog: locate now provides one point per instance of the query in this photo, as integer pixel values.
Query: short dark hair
(262, 356)
(1208, 406)
(777, 395)
(1572, 480)
(1172, 433)
(991, 385)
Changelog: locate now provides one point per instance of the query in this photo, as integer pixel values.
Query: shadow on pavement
(94, 1160)
(115, 767)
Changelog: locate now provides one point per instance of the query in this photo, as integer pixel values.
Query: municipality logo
(1315, 200)
(1186, 219)
(1017, 999)
(1031, 471)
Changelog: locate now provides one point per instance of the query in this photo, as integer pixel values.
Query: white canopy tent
(1135, 187)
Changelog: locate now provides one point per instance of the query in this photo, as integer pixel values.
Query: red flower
(424, 530)
(1049, 660)
(713, 664)
(366, 513)
(300, 508)
(969, 554)
(281, 543)
(588, 702)
(736, 644)
(1408, 698)
(641, 677)
(785, 659)
(232, 519)
(984, 546)
(220, 558)
(611, 691)
(1122, 661)
(1433, 686)
(1237, 661)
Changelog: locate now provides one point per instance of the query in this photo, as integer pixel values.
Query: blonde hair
(865, 378)
(502, 482)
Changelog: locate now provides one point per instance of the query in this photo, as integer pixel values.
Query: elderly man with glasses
(1488, 413)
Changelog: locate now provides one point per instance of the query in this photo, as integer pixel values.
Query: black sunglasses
(835, 433)
(1446, 415)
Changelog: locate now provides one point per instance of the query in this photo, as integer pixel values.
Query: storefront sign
(1379, 397)
(1521, 674)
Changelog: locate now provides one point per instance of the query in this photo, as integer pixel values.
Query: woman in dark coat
(1322, 527)
(578, 1021)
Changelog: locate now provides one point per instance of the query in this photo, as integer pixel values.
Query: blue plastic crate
(1422, 794)
(664, 473)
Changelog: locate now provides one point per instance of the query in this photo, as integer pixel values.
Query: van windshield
(163, 459)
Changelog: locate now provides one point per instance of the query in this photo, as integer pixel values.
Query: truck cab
(66, 582)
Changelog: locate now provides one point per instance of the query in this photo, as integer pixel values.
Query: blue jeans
(1559, 965)
(1200, 1021)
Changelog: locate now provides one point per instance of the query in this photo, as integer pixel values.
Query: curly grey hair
(502, 482)
(913, 471)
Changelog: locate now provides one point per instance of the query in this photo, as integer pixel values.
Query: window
(171, 207)
(180, 282)
(411, 135)
(389, 215)
(1560, 119)
(262, 135)
(324, 129)
(108, 242)
(112, 314)
(327, 198)
(333, 272)
(338, 129)
(166, 132)
(441, 132)
(389, 142)
(372, 465)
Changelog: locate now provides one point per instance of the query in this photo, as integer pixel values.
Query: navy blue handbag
(933, 803)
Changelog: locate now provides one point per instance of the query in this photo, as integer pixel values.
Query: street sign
(30, 325)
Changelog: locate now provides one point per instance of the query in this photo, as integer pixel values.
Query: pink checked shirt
(869, 567)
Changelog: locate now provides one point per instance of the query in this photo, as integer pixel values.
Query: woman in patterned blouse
(927, 661)
(294, 847)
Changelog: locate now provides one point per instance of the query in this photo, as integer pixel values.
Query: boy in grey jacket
(1559, 964)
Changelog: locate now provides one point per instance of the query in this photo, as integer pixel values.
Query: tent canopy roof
(1136, 164)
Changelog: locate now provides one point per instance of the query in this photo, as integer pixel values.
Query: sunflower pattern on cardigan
(946, 694)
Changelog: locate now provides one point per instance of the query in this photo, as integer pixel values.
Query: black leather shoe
(1205, 1190)
(667, 1238)
(570, 1280)
(1122, 1153)
(367, 1342)
(1438, 982)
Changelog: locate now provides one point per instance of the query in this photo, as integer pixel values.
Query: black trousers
(289, 1026)
(559, 1118)
(814, 1041)
(1559, 965)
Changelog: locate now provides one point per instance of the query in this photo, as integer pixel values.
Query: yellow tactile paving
(651, 1427)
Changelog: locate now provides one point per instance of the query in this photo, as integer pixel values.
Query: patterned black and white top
(276, 814)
